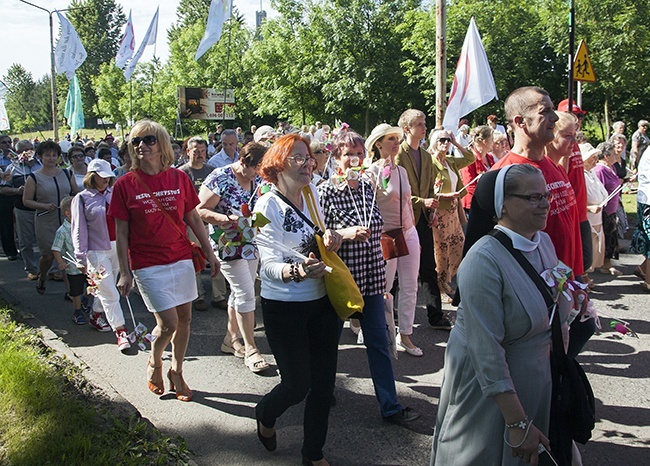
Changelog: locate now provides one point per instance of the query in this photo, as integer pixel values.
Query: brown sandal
(178, 385)
(155, 384)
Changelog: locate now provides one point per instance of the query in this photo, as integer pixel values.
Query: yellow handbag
(342, 290)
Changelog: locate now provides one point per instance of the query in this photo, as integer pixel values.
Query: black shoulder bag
(573, 410)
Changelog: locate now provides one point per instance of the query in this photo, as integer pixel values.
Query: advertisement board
(202, 103)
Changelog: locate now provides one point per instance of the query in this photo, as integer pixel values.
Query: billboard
(202, 103)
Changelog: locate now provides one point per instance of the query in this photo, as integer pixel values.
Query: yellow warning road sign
(583, 70)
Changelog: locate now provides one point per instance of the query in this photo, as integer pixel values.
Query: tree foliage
(359, 61)
(28, 103)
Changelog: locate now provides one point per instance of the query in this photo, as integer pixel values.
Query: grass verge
(51, 415)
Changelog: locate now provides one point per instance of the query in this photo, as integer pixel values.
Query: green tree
(360, 54)
(99, 26)
(284, 75)
(28, 103)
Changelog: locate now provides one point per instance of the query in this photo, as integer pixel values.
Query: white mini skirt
(164, 287)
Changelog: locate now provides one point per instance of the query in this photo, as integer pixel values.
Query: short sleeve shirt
(153, 239)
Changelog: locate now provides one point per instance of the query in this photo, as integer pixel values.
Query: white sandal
(230, 348)
(255, 364)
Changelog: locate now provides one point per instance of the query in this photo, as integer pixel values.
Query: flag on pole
(73, 108)
(149, 39)
(473, 84)
(4, 119)
(127, 45)
(70, 52)
(220, 10)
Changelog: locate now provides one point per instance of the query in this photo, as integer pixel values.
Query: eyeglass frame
(548, 195)
(444, 140)
(313, 162)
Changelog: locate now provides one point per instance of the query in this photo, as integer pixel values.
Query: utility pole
(441, 60)
(572, 46)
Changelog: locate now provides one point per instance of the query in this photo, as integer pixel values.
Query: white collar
(520, 242)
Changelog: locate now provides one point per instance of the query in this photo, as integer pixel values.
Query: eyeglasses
(535, 198)
(444, 140)
(303, 159)
(5, 141)
(149, 140)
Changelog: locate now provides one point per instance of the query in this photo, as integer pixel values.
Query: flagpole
(55, 123)
(441, 60)
(225, 85)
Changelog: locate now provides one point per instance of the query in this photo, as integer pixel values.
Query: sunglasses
(444, 140)
(148, 140)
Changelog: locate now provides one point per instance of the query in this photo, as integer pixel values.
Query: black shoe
(13, 257)
(443, 323)
(402, 417)
(270, 443)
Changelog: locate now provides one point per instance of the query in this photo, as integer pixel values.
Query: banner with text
(201, 103)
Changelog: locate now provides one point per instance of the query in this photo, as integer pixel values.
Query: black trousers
(304, 339)
(7, 225)
(428, 277)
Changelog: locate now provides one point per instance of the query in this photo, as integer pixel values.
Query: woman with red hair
(301, 325)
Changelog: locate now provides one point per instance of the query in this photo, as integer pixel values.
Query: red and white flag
(127, 45)
(149, 39)
(473, 84)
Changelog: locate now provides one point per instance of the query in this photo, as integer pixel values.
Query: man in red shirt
(530, 113)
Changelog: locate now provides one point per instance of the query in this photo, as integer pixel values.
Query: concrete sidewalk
(219, 424)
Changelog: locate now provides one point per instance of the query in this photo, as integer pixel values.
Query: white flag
(220, 10)
(153, 28)
(127, 45)
(4, 119)
(70, 52)
(473, 84)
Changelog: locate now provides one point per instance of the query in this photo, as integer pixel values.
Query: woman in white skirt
(153, 245)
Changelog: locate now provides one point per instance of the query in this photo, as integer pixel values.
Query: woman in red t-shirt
(482, 144)
(154, 246)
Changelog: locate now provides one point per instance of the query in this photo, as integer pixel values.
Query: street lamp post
(55, 123)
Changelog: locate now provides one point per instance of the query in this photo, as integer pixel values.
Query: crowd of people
(115, 218)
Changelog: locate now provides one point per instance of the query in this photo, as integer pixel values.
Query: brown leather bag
(393, 243)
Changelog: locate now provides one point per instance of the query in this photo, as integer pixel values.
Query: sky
(25, 31)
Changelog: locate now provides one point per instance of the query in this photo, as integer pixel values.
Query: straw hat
(379, 132)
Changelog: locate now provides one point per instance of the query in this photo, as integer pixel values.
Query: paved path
(219, 424)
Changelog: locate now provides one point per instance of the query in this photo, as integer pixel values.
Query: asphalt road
(219, 424)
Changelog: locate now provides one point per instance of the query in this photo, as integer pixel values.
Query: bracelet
(294, 273)
(518, 424)
(521, 424)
